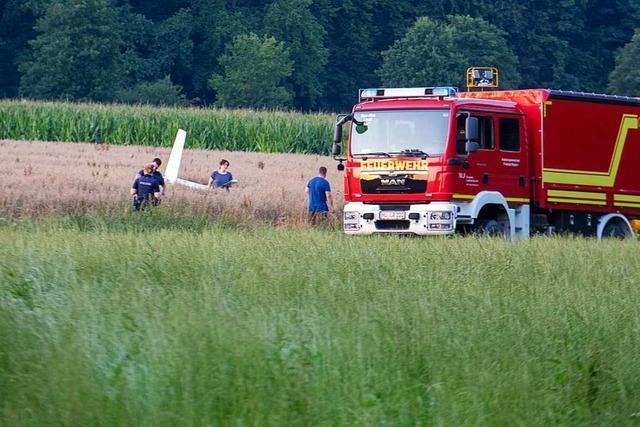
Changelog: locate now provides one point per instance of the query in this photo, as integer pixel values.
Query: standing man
(320, 198)
(145, 189)
(156, 174)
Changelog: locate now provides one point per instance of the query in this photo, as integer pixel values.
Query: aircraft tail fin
(173, 166)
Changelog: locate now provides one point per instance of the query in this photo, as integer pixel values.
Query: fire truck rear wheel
(489, 227)
(616, 230)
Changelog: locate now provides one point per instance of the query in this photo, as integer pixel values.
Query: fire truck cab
(430, 161)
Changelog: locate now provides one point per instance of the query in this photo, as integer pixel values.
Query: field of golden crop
(59, 178)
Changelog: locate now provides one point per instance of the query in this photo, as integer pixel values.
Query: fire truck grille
(393, 185)
(392, 224)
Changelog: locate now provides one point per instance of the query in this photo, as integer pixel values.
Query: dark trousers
(317, 217)
(142, 204)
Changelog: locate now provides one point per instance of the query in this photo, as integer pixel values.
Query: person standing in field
(146, 189)
(221, 178)
(156, 174)
(320, 199)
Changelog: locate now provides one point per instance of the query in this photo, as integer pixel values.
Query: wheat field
(62, 178)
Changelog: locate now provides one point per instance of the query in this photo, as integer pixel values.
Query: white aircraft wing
(191, 184)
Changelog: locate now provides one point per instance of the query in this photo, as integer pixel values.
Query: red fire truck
(431, 161)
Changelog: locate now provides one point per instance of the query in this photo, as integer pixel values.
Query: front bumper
(436, 218)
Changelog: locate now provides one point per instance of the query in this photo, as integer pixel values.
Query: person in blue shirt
(222, 177)
(146, 189)
(320, 198)
(156, 174)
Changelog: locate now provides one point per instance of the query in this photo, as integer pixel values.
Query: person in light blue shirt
(221, 178)
(320, 198)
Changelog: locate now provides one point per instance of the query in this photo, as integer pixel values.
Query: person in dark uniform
(156, 174)
(146, 189)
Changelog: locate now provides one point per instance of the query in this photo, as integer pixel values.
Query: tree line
(307, 54)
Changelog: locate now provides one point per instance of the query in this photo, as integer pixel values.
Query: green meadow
(121, 321)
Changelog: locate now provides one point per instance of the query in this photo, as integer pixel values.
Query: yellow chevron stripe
(577, 194)
(627, 205)
(626, 198)
(577, 201)
(594, 178)
(577, 172)
(508, 199)
(517, 199)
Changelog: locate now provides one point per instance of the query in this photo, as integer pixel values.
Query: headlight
(440, 226)
(351, 227)
(351, 216)
(440, 216)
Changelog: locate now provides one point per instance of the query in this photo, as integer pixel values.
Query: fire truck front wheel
(489, 227)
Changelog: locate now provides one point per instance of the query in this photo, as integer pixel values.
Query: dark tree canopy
(253, 73)
(16, 29)
(433, 51)
(76, 54)
(625, 78)
(291, 21)
(100, 49)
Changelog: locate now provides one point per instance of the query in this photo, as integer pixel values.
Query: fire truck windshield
(407, 132)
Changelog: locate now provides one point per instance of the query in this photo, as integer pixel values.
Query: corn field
(221, 129)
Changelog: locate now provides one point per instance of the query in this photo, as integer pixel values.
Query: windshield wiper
(411, 152)
(375, 153)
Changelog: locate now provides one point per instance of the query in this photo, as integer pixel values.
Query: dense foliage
(433, 52)
(252, 73)
(626, 76)
(122, 50)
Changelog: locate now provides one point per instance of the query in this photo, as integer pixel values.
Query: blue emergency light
(444, 91)
(407, 92)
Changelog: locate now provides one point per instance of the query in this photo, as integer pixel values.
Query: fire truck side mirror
(471, 134)
(340, 167)
(337, 133)
(336, 149)
(471, 146)
(471, 128)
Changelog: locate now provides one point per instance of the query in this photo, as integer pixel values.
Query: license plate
(391, 215)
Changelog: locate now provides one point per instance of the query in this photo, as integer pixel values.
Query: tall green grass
(222, 326)
(236, 130)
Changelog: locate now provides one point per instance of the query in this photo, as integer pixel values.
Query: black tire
(489, 227)
(616, 230)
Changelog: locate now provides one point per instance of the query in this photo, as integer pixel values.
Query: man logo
(392, 181)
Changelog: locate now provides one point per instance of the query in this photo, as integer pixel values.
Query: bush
(161, 92)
